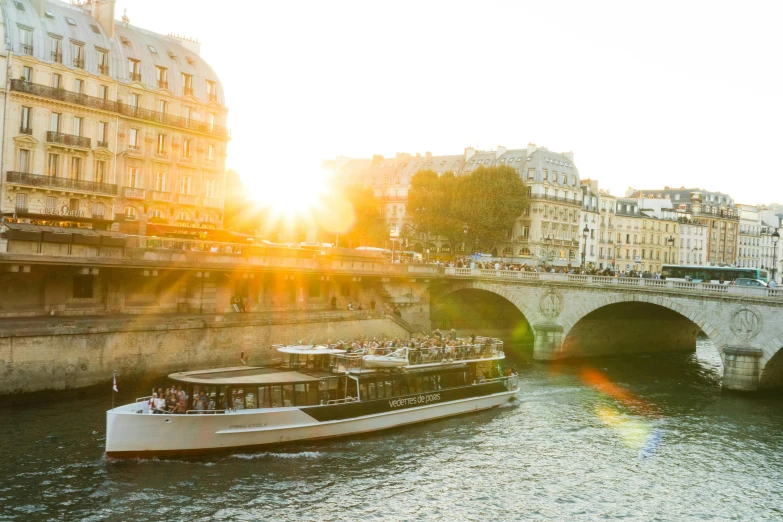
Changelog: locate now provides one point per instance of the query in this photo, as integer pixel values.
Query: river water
(646, 438)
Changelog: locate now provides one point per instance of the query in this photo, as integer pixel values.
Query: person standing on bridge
(772, 284)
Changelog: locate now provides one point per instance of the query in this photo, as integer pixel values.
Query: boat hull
(130, 434)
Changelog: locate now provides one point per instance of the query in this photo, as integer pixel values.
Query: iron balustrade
(78, 63)
(103, 69)
(117, 106)
(104, 144)
(56, 57)
(135, 77)
(67, 139)
(212, 96)
(27, 49)
(25, 130)
(187, 91)
(557, 198)
(35, 180)
(163, 84)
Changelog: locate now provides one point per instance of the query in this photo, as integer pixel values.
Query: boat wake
(266, 454)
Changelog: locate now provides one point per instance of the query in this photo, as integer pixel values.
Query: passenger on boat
(160, 404)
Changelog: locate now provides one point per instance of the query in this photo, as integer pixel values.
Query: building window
(209, 188)
(77, 51)
(188, 114)
(24, 125)
(159, 181)
(161, 144)
(162, 75)
(77, 126)
(57, 49)
(27, 74)
(52, 165)
(21, 203)
(76, 167)
(24, 160)
(183, 217)
(102, 128)
(82, 286)
(162, 106)
(78, 86)
(184, 185)
(156, 214)
(100, 171)
(211, 121)
(133, 136)
(134, 68)
(51, 203)
(26, 38)
(57, 81)
(98, 210)
(187, 84)
(134, 180)
(130, 214)
(133, 100)
(103, 62)
(211, 91)
(187, 148)
(210, 152)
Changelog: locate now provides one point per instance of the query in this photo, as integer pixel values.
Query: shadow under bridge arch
(482, 312)
(630, 327)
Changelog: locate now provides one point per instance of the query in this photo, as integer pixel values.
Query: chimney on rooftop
(469, 153)
(531, 148)
(191, 44)
(40, 7)
(103, 12)
(428, 155)
(569, 155)
(501, 150)
(376, 159)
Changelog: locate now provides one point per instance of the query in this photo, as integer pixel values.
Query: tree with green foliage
(486, 203)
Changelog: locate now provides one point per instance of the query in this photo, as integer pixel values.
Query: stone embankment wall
(69, 353)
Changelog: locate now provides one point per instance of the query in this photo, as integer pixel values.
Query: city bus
(711, 273)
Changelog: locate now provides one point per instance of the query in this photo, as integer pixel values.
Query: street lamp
(585, 233)
(394, 235)
(775, 239)
(465, 230)
(670, 240)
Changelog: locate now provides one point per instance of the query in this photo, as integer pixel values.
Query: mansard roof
(129, 42)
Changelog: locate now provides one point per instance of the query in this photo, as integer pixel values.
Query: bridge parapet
(617, 282)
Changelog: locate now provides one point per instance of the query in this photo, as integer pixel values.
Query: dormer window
(134, 68)
(187, 84)
(152, 49)
(70, 21)
(162, 75)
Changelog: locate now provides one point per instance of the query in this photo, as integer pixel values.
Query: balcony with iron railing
(27, 49)
(188, 199)
(64, 184)
(113, 106)
(78, 63)
(57, 57)
(25, 130)
(67, 140)
(212, 202)
(135, 77)
(187, 91)
(163, 84)
(103, 69)
(212, 96)
(104, 144)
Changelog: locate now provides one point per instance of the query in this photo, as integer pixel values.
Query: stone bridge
(571, 316)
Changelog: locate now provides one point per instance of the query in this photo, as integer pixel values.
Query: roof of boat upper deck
(248, 375)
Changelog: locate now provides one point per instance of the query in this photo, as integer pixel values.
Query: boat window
(312, 393)
(396, 388)
(288, 395)
(250, 400)
(277, 396)
(220, 398)
(371, 388)
(301, 394)
(364, 393)
(237, 398)
(264, 397)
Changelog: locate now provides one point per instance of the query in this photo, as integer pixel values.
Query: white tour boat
(315, 392)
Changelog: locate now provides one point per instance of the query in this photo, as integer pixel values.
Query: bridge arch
(772, 372)
(467, 297)
(630, 322)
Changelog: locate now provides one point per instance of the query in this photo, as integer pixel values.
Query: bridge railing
(636, 282)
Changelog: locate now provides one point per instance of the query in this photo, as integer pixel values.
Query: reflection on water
(635, 439)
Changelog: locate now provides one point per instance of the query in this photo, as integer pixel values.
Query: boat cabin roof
(309, 349)
(248, 375)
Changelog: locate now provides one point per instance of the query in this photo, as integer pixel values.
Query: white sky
(661, 93)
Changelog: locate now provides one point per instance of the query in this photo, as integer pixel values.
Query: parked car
(745, 281)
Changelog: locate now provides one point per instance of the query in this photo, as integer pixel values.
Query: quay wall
(59, 354)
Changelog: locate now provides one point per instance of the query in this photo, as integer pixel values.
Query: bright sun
(290, 194)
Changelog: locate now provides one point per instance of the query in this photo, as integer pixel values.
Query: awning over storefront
(83, 236)
(207, 234)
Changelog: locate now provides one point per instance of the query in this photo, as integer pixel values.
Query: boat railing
(483, 348)
(143, 399)
(197, 412)
(341, 401)
(511, 381)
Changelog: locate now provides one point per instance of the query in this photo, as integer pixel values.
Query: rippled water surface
(647, 438)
